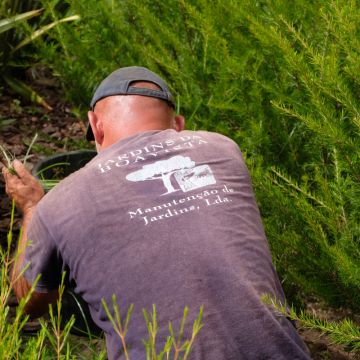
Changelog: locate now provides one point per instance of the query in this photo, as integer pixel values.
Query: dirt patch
(321, 347)
(58, 131)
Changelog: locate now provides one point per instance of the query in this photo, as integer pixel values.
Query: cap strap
(161, 94)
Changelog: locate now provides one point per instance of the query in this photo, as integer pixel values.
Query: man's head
(130, 100)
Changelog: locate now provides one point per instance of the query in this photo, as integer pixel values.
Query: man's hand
(26, 191)
(22, 187)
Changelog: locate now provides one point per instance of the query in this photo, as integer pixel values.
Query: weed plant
(12, 344)
(281, 78)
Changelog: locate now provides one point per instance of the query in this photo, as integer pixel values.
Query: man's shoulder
(217, 140)
(215, 136)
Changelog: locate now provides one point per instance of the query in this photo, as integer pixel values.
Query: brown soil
(321, 347)
(60, 131)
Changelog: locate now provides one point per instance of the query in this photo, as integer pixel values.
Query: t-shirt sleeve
(42, 256)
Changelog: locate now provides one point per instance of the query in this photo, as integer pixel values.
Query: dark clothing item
(170, 219)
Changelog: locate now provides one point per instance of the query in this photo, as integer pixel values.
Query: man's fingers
(22, 173)
(5, 173)
(25, 175)
(20, 169)
(12, 181)
(3, 170)
(23, 188)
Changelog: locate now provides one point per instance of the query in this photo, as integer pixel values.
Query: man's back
(170, 219)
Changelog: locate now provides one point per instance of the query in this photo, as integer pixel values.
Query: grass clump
(9, 158)
(47, 184)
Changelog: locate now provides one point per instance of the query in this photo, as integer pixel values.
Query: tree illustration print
(163, 170)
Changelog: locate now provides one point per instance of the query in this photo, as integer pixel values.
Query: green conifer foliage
(281, 78)
(319, 222)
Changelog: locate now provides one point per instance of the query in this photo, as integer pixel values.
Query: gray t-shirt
(170, 219)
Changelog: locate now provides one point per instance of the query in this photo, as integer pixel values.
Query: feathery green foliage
(343, 332)
(174, 348)
(281, 79)
(58, 334)
(320, 196)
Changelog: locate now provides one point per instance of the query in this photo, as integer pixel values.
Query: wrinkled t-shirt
(166, 218)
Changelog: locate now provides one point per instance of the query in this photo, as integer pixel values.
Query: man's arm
(26, 191)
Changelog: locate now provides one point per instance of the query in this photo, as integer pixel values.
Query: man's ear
(179, 123)
(97, 127)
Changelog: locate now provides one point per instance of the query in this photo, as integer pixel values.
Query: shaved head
(119, 116)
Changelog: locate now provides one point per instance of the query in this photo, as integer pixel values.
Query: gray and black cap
(119, 83)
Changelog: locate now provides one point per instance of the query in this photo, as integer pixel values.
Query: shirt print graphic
(177, 173)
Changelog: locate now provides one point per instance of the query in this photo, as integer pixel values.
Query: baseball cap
(119, 83)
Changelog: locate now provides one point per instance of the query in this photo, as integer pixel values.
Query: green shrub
(315, 235)
(280, 78)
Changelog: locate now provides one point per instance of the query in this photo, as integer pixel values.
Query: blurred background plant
(21, 22)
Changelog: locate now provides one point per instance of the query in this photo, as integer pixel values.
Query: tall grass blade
(10, 23)
(43, 30)
(26, 91)
(29, 148)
